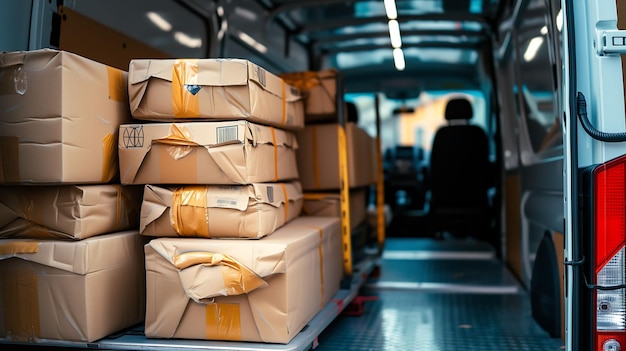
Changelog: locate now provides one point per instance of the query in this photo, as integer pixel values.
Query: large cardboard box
(320, 91)
(59, 118)
(318, 156)
(328, 204)
(71, 290)
(192, 89)
(232, 152)
(68, 211)
(263, 290)
(213, 211)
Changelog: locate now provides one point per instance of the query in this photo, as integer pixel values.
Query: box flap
(79, 257)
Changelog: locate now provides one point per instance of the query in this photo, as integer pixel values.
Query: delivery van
(407, 175)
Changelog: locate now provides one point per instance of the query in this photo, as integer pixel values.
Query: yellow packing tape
(19, 247)
(21, 305)
(190, 213)
(117, 85)
(286, 202)
(223, 322)
(304, 81)
(238, 279)
(185, 75)
(109, 158)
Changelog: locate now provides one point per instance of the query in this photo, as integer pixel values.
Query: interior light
(188, 41)
(533, 47)
(559, 20)
(394, 34)
(159, 21)
(391, 10)
(543, 30)
(398, 59)
(252, 42)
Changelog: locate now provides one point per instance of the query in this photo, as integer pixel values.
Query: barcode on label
(226, 202)
(226, 134)
(261, 74)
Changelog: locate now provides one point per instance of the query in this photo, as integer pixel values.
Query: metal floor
(440, 295)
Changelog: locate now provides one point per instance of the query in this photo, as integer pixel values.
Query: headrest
(459, 108)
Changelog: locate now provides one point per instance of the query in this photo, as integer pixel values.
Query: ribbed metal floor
(458, 298)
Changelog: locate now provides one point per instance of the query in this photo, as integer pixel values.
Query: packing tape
(19, 247)
(238, 279)
(304, 81)
(223, 321)
(117, 85)
(185, 101)
(189, 211)
(316, 163)
(320, 249)
(286, 201)
(109, 158)
(179, 140)
(9, 159)
(21, 305)
(275, 155)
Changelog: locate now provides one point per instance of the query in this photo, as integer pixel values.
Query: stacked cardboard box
(69, 227)
(217, 156)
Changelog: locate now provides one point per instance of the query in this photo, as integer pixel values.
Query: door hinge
(611, 42)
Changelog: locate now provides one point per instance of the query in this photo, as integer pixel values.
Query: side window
(537, 86)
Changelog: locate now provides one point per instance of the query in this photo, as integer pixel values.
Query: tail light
(610, 255)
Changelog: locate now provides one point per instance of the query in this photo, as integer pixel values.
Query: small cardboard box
(318, 156)
(328, 204)
(202, 89)
(320, 91)
(71, 290)
(232, 152)
(263, 290)
(68, 211)
(59, 118)
(219, 211)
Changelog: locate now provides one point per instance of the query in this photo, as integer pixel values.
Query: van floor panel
(441, 303)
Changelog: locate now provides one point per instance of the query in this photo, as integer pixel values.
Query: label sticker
(227, 203)
(133, 136)
(226, 134)
(193, 89)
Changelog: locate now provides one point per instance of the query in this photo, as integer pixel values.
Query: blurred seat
(460, 175)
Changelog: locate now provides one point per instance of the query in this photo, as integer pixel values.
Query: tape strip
(19, 247)
(109, 158)
(189, 211)
(21, 305)
(284, 102)
(275, 154)
(117, 86)
(223, 322)
(286, 202)
(9, 159)
(316, 164)
(184, 88)
(320, 249)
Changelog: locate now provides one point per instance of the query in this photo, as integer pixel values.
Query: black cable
(590, 129)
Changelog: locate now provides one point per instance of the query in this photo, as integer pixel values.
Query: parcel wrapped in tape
(68, 211)
(263, 290)
(219, 211)
(231, 152)
(71, 290)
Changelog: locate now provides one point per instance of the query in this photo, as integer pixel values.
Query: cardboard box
(320, 91)
(59, 118)
(213, 211)
(233, 152)
(262, 290)
(318, 156)
(68, 211)
(328, 205)
(223, 89)
(71, 290)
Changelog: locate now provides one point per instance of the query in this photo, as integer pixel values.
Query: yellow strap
(317, 196)
(184, 102)
(190, 214)
(238, 279)
(109, 158)
(316, 163)
(19, 247)
(117, 85)
(223, 322)
(344, 201)
(275, 155)
(286, 200)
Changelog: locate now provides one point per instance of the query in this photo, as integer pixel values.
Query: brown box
(263, 290)
(328, 205)
(59, 118)
(232, 152)
(71, 290)
(320, 91)
(219, 211)
(68, 211)
(318, 156)
(192, 89)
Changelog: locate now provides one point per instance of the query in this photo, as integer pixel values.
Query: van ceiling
(442, 41)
